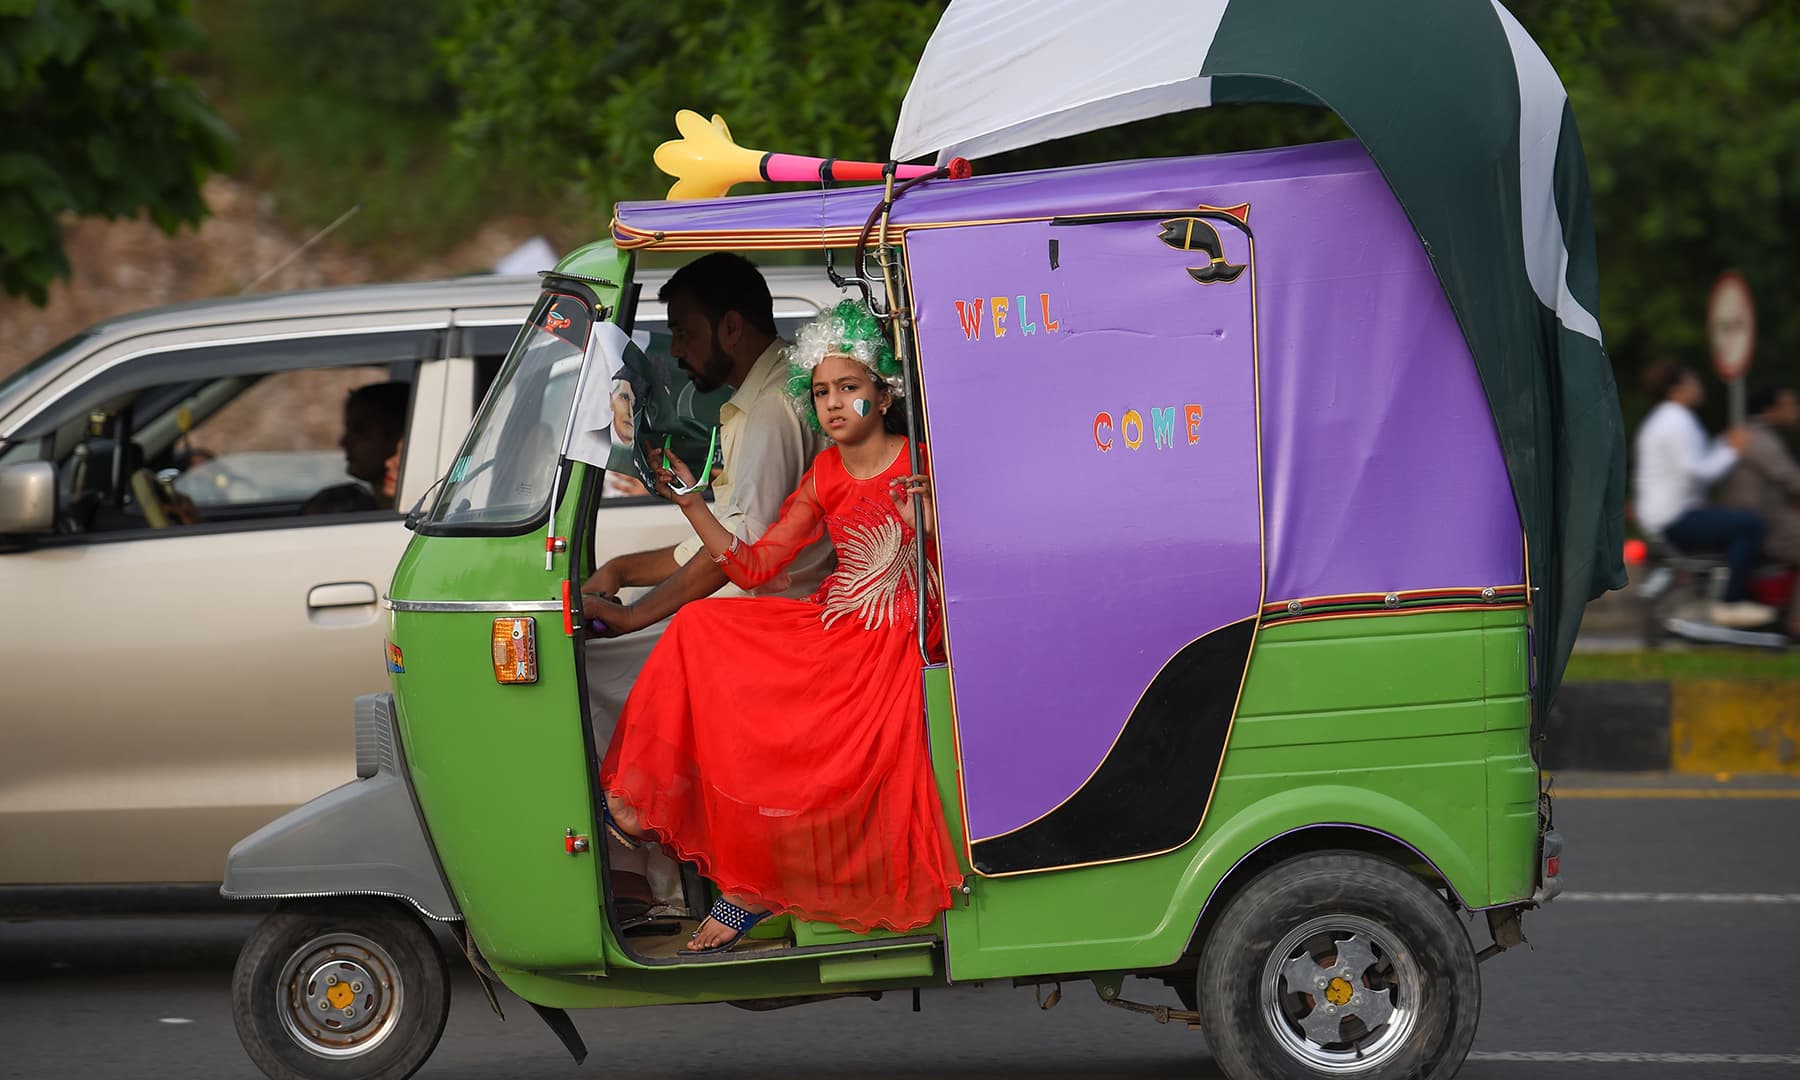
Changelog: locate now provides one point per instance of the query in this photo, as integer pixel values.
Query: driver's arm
(626, 571)
(692, 580)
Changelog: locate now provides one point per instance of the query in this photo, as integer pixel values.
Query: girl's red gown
(780, 744)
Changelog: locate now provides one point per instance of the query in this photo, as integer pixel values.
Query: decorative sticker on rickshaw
(566, 317)
(1000, 309)
(1193, 233)
(396, 663)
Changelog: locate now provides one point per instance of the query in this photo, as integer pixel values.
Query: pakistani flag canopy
(1470, 126)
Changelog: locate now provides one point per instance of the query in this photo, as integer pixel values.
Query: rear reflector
(515, 650)
(1553, 866)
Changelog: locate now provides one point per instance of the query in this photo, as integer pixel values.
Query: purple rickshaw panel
(1101, 512)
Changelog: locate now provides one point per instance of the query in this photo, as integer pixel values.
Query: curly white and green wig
(846, 330)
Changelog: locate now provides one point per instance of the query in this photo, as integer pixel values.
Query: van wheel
(1338, 964)
(332, 989)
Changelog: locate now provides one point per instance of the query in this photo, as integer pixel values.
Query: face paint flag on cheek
(861, 405)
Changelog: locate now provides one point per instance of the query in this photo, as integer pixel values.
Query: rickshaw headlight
(515, 650)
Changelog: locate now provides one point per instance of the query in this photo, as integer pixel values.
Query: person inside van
(1766, 481)
(1676, 463)
(374, 423)
(779, 743)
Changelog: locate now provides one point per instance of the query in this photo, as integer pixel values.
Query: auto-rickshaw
(1269, 489)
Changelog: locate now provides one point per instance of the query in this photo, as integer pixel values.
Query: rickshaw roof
(834, 218)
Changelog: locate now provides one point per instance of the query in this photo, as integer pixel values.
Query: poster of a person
(621, 479)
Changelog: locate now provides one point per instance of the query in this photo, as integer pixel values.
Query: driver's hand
(616, 618)
(182, 509)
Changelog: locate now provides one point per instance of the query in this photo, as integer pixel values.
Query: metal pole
(900, 307)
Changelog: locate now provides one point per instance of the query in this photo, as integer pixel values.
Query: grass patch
(1689, 664)
(323, 131)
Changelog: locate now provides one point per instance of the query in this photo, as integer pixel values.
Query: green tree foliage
(1690, 114)
(95, 123)
(1689, 109)
(547, 87)
(381, 55)
(344, 105)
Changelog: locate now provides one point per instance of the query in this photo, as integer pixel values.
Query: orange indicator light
(515, 650)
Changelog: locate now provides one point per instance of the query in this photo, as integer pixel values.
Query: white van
(167, 688)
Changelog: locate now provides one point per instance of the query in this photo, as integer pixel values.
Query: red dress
(780, 744)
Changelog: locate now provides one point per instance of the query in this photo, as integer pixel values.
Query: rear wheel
(1338, 964)
(332, 989)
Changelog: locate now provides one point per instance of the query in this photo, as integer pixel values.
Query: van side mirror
(27, 498)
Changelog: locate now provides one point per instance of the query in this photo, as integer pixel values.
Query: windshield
(502, 476)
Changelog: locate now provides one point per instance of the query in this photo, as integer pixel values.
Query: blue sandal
(623, 838)
(726, 913)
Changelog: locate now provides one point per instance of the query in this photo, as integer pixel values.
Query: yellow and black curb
(1688, 725)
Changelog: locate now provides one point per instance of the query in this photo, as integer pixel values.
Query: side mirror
(27, 498)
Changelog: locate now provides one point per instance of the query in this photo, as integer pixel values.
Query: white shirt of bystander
(1675, 464)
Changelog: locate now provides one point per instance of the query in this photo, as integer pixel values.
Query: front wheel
(1338, 964)
(333, 989)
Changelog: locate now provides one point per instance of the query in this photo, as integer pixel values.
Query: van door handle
(341, 594)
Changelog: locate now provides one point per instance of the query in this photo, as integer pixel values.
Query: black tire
(1421, 990)
(340, 988)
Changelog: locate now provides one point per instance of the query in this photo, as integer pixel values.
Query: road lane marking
(1674, 793)
(174, 1020)
(1683, 897)
(1631, 1057)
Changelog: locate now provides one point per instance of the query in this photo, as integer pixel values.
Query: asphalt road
(1672, 958)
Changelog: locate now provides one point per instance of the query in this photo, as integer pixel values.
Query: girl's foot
(713, 933)
(622, 821)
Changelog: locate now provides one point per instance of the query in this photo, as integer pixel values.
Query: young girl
(780, 744)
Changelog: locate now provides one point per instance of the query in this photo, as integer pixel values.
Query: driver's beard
(718, 366)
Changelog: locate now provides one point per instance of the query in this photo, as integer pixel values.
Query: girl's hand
(902, 489)
(675, 472)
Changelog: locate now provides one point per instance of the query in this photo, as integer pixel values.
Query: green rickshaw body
(1276, 603)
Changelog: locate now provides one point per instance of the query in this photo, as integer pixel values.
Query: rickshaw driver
(722, 332)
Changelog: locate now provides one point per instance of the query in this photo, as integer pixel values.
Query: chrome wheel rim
(1341, 994)
(339, 995)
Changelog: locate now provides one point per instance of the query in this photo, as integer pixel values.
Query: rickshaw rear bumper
(362, 839)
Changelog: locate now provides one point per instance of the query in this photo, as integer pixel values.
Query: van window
(279, 441)
(228, 436)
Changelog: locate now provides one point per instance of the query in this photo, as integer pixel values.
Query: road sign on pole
(1731, 331)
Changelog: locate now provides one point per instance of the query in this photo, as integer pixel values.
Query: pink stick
(793, 168)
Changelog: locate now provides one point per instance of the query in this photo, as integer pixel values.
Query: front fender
(362, 839)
